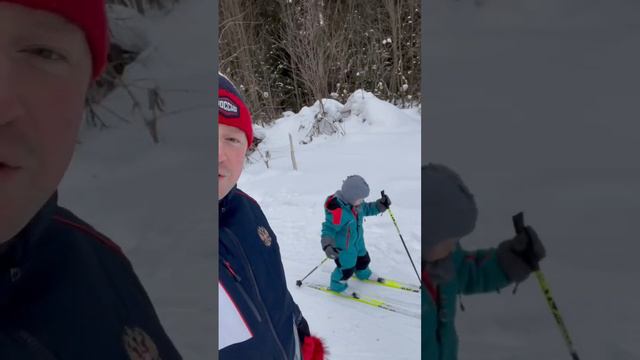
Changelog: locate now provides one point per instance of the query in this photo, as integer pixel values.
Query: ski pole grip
(527, 253)
(518, 222)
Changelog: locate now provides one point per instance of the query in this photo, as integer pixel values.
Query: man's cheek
(242, 156)
(67, 122)
(57, 145)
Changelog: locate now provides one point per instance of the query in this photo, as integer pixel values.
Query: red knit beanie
(88, 15)
(232, 111)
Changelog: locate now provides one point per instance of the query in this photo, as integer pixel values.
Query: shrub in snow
(128, 30)
(325, 121)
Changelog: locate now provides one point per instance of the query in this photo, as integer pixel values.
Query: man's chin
(223, 188)
(10, 226)
(19, 206)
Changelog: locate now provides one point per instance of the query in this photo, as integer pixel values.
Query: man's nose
(222, 154)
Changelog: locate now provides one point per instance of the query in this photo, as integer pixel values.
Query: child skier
(449, 213)
(342, 236)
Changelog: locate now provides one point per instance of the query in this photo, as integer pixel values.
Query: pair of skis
(392, 284)
(354, 296)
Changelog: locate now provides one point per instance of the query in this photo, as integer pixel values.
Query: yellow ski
(392, 284)
(365, 300)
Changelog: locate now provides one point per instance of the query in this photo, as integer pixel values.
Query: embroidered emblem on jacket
(139, 345)
(264, 236)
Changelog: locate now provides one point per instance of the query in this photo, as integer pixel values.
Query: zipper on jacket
(354, 211)
(348, 236)
(245, 261)
(246, 297)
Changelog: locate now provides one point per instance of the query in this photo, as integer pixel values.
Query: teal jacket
(476, 272)
(343, 223)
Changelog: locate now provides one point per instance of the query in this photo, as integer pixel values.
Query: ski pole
(402, 239)
(518, 223)
(299, 282)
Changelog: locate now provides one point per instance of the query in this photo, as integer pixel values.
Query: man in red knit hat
(66, 291)
(257, 317)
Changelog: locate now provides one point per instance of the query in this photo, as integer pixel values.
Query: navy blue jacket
(251, 274)
(67, 292)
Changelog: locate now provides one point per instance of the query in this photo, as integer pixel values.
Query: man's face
(45, 71)
(358, 202)
(232, 147)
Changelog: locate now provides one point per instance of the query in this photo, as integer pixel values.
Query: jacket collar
(19, 245)
(17, 253)
(226, 202)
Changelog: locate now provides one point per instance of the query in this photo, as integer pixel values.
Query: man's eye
(233, 140)
(45, 53)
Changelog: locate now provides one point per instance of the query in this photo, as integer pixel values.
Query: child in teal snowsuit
(448, 271)
(342, 237)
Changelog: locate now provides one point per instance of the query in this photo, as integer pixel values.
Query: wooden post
(293, 156)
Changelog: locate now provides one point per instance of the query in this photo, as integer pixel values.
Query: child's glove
(329, 247)
(520, 255)
(383, 203)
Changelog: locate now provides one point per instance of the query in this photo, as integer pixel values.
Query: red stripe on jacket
(96, 235)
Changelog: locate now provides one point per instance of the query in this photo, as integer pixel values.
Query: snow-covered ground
(535, 103)
(158, 202)
(382, 144)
